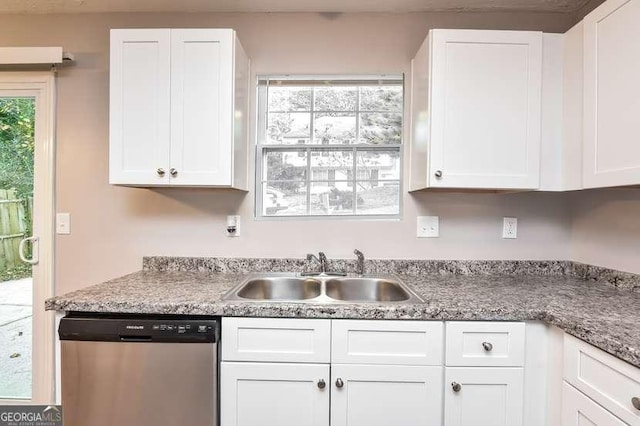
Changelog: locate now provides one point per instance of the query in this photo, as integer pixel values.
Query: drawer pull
(636, 402)
(487, 346)
(456, 386)
(339, 383)
(321, 384)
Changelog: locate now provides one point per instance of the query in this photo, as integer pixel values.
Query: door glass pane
(17, 121)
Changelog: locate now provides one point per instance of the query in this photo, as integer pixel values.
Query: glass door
(27, 349)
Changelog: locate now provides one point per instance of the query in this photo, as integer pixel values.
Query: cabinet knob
(321, 384)
(636, 402)
(173, 172)
(438, 174)
(339, 383)
(487, 346)
(456, 386)
(160, 171)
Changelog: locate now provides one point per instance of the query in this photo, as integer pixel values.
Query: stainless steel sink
(366, 290)
(280, 288)
(322, 289)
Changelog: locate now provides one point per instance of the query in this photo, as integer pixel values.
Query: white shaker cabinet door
(202, 85)
(483, 396)
(384, 395)
(579, 410)
(486, 89)
(612, 95)
(260, 394)
(140, 67)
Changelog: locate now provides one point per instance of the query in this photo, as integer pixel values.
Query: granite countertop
(601, 314)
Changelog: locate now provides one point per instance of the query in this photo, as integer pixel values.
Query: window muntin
(314, 136)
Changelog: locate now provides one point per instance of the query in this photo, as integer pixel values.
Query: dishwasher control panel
(170, 329)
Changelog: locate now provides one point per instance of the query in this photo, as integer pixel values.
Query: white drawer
(606, 379)
(387, 342)
(276, 340)
(578, 410)
(485, 344)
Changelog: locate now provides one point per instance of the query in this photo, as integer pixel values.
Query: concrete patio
(15, 338)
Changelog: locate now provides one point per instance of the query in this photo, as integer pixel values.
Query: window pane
(286, 165)
(340, 161)
(378, 198)
(334, 128)
(381, 128)
(289, 128)
(378, 165)
(335, 98)
(332, 198)
(284, 199)
(385, 98)
(289, 98)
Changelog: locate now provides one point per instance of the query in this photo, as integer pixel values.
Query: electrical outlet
(510, 227)
(428, 226)
(233, 226)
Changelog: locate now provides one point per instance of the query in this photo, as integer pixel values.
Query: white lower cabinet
(481, 396)
(377, 395)
(579, 410)
(259, 394)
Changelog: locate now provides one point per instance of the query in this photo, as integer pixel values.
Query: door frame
(41, 86)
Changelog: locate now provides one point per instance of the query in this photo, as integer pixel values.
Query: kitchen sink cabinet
(383, 395)
(283, 394)
(612, 95)
(476, 110)
(178, 108)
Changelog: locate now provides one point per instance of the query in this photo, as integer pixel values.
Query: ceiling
(92, 6)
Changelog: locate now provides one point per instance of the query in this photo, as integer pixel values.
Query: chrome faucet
(323, 262)
(314, 258)
(321, 259)
(360, 264)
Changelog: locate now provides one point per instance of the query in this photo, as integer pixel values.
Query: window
(329, 147)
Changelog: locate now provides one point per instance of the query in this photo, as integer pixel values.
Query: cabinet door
(139, 107)
(486, 109)
(612, 94)
(486, 396)
(202, 106)
(259, 394)
(381, 395)
(578, 410)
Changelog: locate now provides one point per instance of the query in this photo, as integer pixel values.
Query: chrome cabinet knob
(160, 171)
(487, 346)
(339, 383)
(321, 384)
(456, 386)
(173, 172)
(636, 402)
(438, 174)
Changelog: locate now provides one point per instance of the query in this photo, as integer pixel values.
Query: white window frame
(261, 147)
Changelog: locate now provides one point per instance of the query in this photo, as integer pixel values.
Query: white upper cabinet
(178, 108)
(612, 95)
(476, 110)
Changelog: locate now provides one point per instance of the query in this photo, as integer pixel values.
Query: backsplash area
(618, 279)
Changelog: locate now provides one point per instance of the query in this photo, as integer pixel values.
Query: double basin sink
(322, 289)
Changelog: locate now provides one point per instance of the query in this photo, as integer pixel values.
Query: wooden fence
(15, 216)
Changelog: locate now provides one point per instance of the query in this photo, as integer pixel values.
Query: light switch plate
(63, 223)
(428, 226)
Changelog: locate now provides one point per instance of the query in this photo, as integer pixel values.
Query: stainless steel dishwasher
(139, 370)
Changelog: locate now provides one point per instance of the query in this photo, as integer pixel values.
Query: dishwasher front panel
(139, 384)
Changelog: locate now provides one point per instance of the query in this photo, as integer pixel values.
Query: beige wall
(606, 228)
(113, 227)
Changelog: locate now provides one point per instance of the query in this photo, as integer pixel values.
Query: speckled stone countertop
(604, 315)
